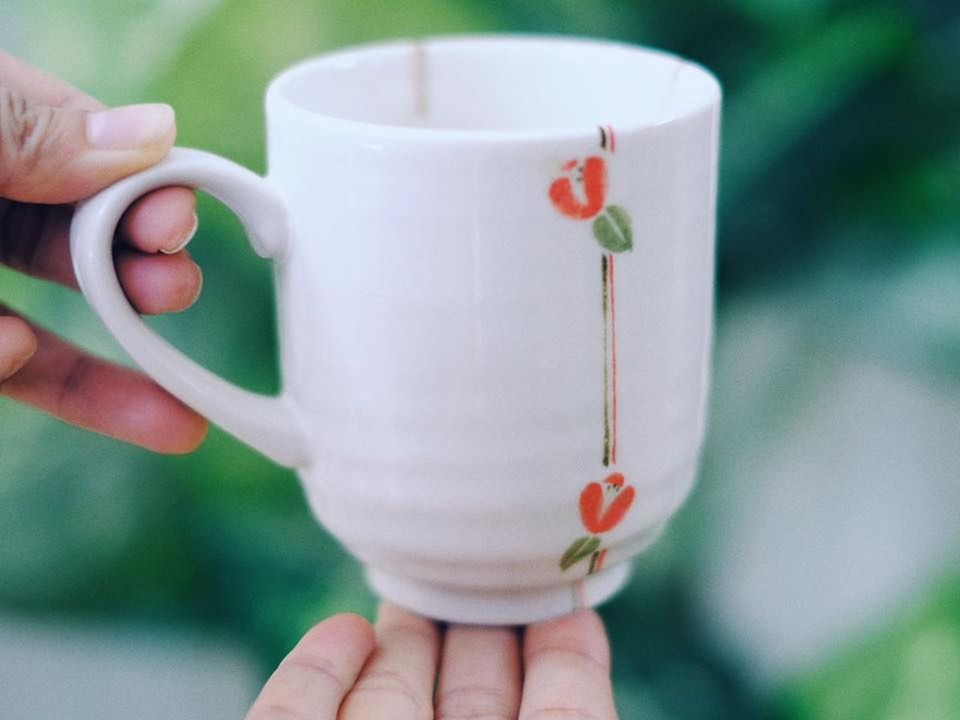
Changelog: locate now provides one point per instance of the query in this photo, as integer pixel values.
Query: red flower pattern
(603, 506)
(592, 175)
(580, 193)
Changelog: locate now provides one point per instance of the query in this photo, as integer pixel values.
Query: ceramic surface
(494, 262)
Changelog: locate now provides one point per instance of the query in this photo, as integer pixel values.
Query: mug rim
(277, 98)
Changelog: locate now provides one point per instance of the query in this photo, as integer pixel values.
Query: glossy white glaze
(442, 341)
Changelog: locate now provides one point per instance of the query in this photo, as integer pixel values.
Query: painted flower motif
(580, 194)
(603, 506)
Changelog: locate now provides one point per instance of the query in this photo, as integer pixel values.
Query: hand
(58, 146)
(345, 669)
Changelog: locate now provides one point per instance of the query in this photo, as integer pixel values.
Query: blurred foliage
(912, 670)
(841, 144)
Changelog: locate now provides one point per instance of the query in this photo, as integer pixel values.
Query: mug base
(500, 607)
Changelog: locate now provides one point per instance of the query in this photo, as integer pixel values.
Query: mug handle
(268, 424)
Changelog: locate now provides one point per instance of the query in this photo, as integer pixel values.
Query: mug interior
(499, 84)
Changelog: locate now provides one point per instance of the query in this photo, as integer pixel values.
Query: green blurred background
(814, 573)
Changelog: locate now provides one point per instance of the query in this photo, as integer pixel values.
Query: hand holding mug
(59, 146)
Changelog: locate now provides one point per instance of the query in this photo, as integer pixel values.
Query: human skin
(411, 668)
(59, 146)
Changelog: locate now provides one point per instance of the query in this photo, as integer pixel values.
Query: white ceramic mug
(494, 267)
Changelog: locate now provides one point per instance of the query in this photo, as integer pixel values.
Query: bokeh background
(814, 573)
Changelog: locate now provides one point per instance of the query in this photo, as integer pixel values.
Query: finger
(34, 239)
(41, 87)
(97, 395)
(398, 679)
(157, 284)
(163, 221)
(62, 154)
(312, 680)
(17, 345)
(567, 670)
(164, 218)
(480, 674)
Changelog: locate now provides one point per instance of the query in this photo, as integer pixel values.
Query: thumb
(63, 154)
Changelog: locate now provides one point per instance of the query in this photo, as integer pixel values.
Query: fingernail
(199, 284)
(24, 357)
(188, 236)
(14, 362)
(130, 127)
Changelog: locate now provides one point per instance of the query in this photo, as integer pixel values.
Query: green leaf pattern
(581, 548)
(613, 230)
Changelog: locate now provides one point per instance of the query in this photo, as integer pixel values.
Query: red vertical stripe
(605, 260)
(613, 359)
(613, 140)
